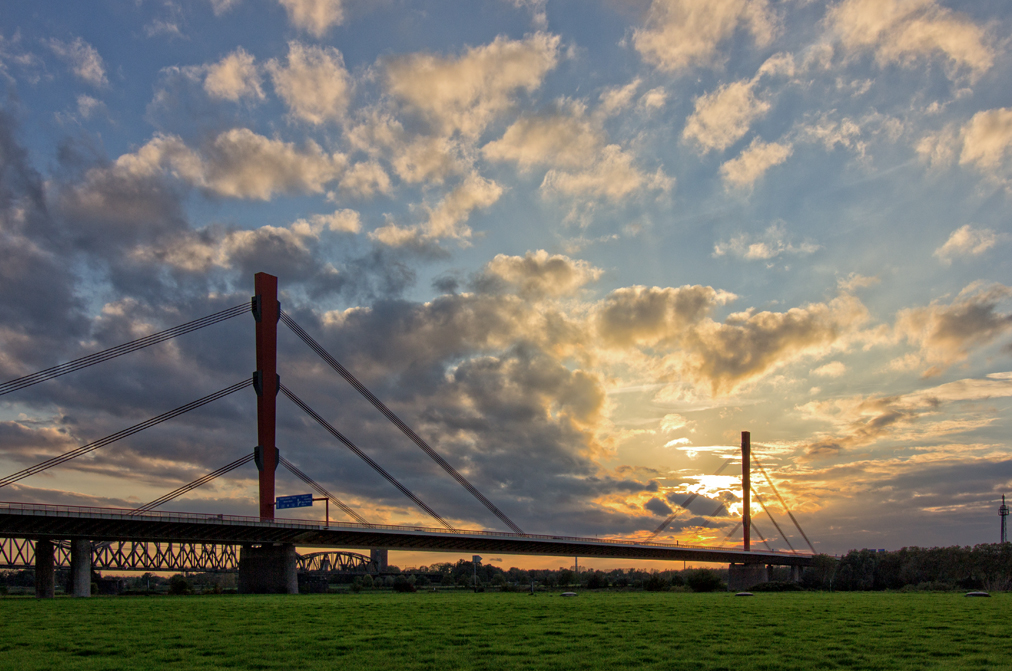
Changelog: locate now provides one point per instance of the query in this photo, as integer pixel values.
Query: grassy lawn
(635, 630)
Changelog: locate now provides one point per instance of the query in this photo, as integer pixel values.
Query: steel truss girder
(333, 562)
(19, 553)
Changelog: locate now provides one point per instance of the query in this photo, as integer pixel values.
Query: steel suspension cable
(756, 530)
(388, 413)
(362, 455)
(766, 510)
(119, 435)
(320, 490)
(203, 480)
(733, 531)
(752, 526)
(685, 504)
(782, 503)
(119, 350)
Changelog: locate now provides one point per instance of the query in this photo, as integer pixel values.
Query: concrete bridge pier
(741, 577)
(379, 559)
(45, 569)
(80, 566)
(268, 569)
(796, 573)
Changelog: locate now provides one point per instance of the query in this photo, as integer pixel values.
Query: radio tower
(1003, 512)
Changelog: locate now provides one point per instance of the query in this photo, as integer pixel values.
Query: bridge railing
(48, 510)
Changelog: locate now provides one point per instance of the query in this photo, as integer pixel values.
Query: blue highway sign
(297, 501)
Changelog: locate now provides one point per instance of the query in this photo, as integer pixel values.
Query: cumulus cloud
(753, 162)
(673, 422)
(314, 16)
(448, 218)
(682, 33)
(987, 139)
(84, 60)
(939, 149)
(966, 241)
(539, 17)
(901, 31)
(831, 369)
(772, 243)
(858, 421)
(365, 179)
(346, 221)
(653, 99)
(612, 177)
(537, 274)
(314, 83)
(86, 106)
(562, 140)
(946, 334)
(220, 7)
(984, 142)
(722, 117)
(237, 163)
(234, 77)
(618, 98)
(652, 315)
(723, 356)
(464, 94)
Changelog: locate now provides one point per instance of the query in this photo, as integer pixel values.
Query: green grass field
(461, 630)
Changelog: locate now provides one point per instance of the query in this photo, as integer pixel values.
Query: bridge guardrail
(49, 510)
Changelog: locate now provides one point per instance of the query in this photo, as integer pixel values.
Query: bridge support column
(796, 573)
(80, 566)
(268, 569)
(379, 558)
(745, 576)
(267, 312)
(45, 569)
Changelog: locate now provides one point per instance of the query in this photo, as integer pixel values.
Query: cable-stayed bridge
(262, 548)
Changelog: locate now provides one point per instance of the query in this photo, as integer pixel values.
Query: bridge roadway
(40, 521)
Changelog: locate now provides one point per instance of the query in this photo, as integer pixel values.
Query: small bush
(178, 585)
(401, 584)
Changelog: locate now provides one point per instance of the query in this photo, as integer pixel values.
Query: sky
(578, 245)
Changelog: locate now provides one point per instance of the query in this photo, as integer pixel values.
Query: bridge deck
(26, 520)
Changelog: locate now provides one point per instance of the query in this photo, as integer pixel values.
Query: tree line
(985, 566)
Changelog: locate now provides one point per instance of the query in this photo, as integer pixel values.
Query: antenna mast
(1003, 512)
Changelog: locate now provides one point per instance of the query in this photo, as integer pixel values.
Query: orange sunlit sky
(578, 245)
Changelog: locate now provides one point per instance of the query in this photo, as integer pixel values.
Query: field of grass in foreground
(633, 630)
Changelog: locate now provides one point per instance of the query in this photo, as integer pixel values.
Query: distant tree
(368, 582)
(655, 583)
(178, 585)
(596, 580)
(566, 577)
(704, 580)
